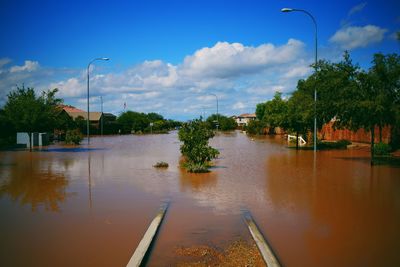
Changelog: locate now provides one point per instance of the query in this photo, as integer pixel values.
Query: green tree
(29, 113)
(152, 116)
(7, 133)
(275, 112)
(255, 127)
(195, 135)
(300, 113)
(133, 121)
(364, 99)
(385, 75)
(260, 111)
(225, 123)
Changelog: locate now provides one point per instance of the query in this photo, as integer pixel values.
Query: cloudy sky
(170, 56)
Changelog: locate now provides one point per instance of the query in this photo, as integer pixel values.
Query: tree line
(25, 111)
(353, 97)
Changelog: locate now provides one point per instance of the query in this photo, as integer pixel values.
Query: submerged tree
(195, 135)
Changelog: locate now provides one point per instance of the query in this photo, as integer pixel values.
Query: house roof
(69, 109)
(247, 115)
(93, 116)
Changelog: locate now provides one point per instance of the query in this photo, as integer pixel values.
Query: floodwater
(90, 207)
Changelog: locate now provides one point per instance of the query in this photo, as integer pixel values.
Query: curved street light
(87, 120)
(287, 9)
(216, 97)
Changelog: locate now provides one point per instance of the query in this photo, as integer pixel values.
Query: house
(244, 119)
(74, 113)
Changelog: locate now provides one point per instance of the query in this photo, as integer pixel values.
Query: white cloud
(232, 71)
(28, 66)
(357, 8)
(355, 37)
(299, 71)
(239, 105)
(72, 87)
(225, 60)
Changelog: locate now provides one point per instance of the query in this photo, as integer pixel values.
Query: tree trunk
(297, 140)
(30, 141)
(372, 144)
(380, 133)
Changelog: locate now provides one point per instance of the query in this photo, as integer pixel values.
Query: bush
(255, 127)
(195, 135)
(73, 137)
(196, 167)
(161, 164)
(381, 149)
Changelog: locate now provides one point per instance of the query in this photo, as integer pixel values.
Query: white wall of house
(241, 121)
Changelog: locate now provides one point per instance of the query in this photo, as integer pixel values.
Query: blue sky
(168, 56)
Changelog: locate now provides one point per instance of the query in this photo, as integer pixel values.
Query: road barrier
(144, 244)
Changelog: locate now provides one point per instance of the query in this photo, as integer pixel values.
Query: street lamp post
(315, 67)
(87, 120)
(216, 97)
(102, 115)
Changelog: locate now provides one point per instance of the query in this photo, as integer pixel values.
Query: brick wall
(328, 133)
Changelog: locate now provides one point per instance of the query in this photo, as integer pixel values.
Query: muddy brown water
(79, 207)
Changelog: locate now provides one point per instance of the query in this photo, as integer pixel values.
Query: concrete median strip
(266, 251)
(144, 244)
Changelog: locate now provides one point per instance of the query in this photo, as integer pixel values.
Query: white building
(244, 119)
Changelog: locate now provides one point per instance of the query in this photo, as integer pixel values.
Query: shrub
(73, 137)
(255, 127)
(161, 164)
(195, 135)
(381, 149)
(196, 167)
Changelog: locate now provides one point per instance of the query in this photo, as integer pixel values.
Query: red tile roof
(247, 115)
(71, 109)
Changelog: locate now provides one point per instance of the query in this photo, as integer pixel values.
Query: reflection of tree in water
(30, 183)
(197, 182)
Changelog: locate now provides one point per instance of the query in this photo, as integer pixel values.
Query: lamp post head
(105, 58)
(287, 9)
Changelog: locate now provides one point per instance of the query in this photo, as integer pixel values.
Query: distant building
(244, 119)
(74, 113)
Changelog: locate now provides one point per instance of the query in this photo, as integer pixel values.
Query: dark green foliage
(255, 127)
(161, 164)
(7, 132)
(381, 149)
(73, 137)
(196, 167)
(195, 135)
(225, 123)
(29, 113)
(136, 122)
(273, 113)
